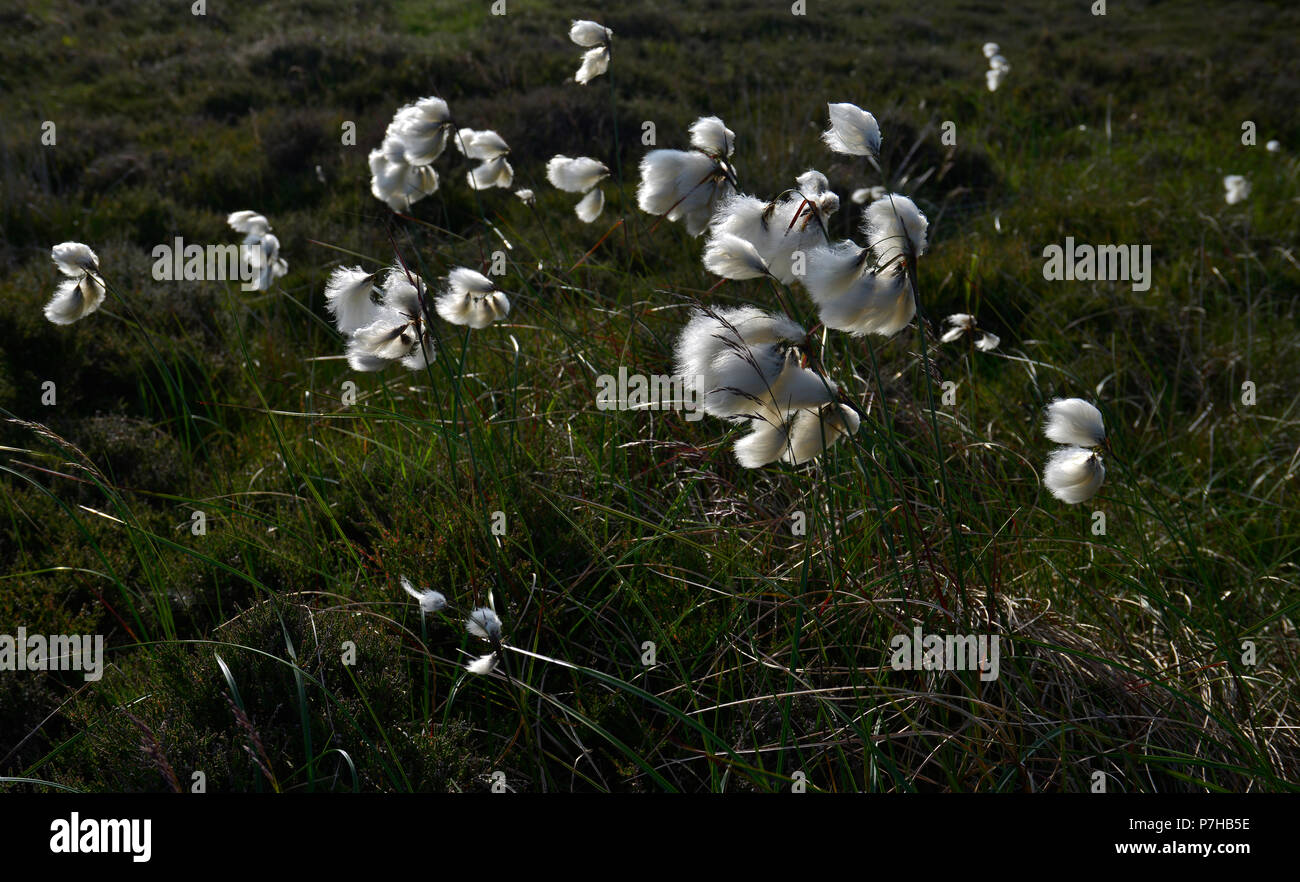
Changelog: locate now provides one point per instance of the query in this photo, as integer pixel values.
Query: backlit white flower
(575, 174)
(853, 131)
(264, 257)
(495, 172)
(960, 324)
(778, 231)
(430, 601)
(395, 329)
(526, 196)
(589, 33)
(1074, 421)
(253, 225)
(993, 78)
(895, 229)
(75, 298)
(1073, 474)
(471, 299)
(480, 145)
(594, 63)
(484, 664)
(732, 257)
(590, 206)
(868, 194)
(580, 175)
(814, 431)
(484, 623)
(991, 49)
(709, 135)
(1236, 189)
(997, 62)
(764, 443)
(683, 185)
(422, 128)
(709, 332)
(348, 297)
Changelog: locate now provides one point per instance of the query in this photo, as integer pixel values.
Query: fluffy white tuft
(813, 432)
(484, 664)
(729, 256)
(484, 622)
(711, 136)
(74, 259)
(895, 229)
(594, 63)
(1073, 475)
(1074, 421)
(575, 174)
(590, 206)
(589, 33)
(1236, 189)
(853, 131)
(75, 299)
(764, 444)
(348, 298)
(430, 601)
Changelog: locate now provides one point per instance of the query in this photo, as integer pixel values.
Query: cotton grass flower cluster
(260, 249)
(490, 150)
(82, 291)
(750, 238)
(867, 290)
(961, 324)
(688, 185)
(1074, 473)
(485, 624)
(471, 299)
(1235, 189)
(596, 39)
(999, 67)
(747, 366)
(383, 326)
(580, 174)
(401, 167)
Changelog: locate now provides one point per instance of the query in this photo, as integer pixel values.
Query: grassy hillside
(1121, 653)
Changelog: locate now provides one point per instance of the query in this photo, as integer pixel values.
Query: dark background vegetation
(1121, 653)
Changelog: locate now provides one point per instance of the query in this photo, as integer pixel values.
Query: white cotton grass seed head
(1236, 189)
(813, 432)
(991, 49)
(959, 323)
(495, 172)
(250, 223)
(480, 145)
(348, 297)
(1074, 421)
(711, 136)
(526, 196)
(732, 257)
(589, 33)
(590, 206)
(763, 444)
(993, 78)
(485, 624)
(987, 341)
(709, 332)
(471, 299)
(575, 174)
(1273, 146)
(853, 131)
(74, 259)
(766, 381)
(895, 229)
(1073, 474)
(74, 299)
(422, 129)
(868, 194)
(483, 665)
(682, 185)
(595, 62)
(430, 601)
